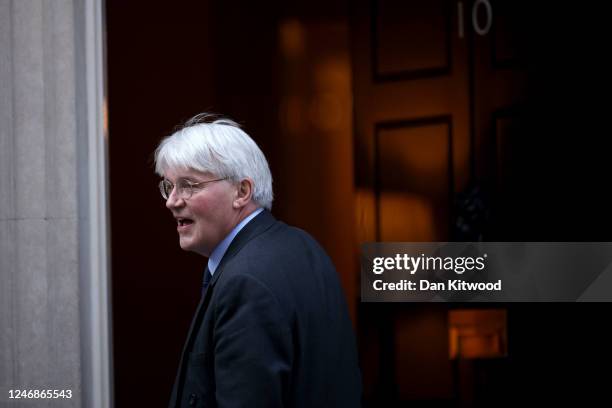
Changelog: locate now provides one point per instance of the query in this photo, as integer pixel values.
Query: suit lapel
(256, 226)
(195, 322)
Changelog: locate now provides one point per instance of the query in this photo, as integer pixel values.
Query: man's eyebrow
(189, 179)
(181, 180)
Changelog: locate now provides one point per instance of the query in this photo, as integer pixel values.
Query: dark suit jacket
(272, 329)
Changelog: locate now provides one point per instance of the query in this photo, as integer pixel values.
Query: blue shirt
(219, 251)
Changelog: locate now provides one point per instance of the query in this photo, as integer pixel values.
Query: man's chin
(185, 244)
(190, 246)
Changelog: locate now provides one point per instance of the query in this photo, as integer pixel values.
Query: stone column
(53, 266)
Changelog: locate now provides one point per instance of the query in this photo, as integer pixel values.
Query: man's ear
(244, 193)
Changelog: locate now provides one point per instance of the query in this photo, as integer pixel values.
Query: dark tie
(207, 278)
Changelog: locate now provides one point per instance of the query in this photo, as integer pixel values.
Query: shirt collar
(219, 251)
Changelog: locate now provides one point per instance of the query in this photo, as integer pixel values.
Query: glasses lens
(165, 188)
(184, 189)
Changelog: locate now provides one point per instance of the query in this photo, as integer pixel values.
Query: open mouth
(182, 222)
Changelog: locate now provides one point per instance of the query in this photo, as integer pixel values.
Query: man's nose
(174, 200)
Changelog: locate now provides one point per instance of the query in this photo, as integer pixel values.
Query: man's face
(205, 218)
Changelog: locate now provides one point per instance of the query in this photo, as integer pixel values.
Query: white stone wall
(45, 219)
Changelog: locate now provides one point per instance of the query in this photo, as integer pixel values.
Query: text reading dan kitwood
(413, 264)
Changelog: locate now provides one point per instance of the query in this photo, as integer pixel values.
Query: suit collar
(219, 252)
(256, 226)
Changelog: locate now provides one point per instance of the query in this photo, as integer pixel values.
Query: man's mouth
(183, 222)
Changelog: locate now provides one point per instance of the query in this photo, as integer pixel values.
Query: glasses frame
(186, 192)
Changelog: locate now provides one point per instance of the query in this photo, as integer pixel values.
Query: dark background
(347, 100)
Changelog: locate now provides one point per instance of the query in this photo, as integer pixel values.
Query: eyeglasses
(184, 188)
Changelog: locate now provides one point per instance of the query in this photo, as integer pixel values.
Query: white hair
(217, 146)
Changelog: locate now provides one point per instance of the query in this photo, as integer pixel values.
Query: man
(272, 328)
